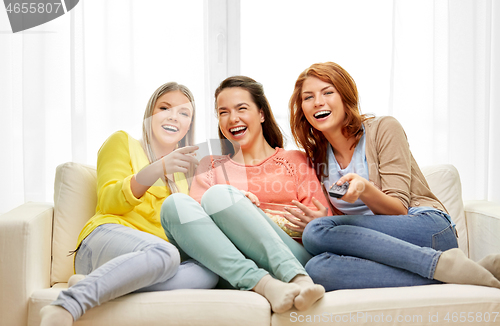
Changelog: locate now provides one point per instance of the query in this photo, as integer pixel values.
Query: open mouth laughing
(170, 128)
(238, 131)
(320, 115)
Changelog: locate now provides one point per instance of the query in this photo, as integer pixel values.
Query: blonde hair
(147, 133)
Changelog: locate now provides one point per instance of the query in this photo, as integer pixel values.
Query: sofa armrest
(25, 255)
(483, 227)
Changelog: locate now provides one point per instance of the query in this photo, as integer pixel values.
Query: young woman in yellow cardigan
(123, 247)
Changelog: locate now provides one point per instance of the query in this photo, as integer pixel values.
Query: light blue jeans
(232, 237)
(368, 251)
(119, 260)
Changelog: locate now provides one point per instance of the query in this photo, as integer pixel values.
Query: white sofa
(35, 239)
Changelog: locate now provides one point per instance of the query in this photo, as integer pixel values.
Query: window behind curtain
(133, 47)
(280, 39)
(68, 84)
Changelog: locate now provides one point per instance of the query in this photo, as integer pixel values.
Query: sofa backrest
(444, 181)
(75, 199)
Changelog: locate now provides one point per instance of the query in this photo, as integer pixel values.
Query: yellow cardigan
(119, 158)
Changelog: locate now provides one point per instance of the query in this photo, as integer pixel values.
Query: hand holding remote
(337, 191)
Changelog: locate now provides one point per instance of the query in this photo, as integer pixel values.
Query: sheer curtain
(434, 65)
(444, 87)
(35, 104)
(65, 86)
(355, 34)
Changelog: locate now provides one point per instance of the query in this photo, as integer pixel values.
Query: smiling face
(171, 120)
(239, 117)
(322, 105)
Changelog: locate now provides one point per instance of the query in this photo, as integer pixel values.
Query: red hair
(312, 140)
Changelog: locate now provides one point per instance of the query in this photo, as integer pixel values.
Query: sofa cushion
(419, 305)
(75, 200)
(178, 307)
(444, 182)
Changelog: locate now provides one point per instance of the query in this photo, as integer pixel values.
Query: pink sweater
(279, 179)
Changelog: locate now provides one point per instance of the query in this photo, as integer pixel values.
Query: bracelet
(164, 167)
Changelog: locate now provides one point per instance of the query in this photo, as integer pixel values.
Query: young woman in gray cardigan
(389, 229)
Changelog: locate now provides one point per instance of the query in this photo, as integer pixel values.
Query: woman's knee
(321, 269)
(334, 272)
(199, 276)
(164, 257)
(217, 192)
(219, 197)
(314, 233)
(170, 207)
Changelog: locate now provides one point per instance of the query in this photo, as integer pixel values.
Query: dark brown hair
(312, 140)
(270, 129)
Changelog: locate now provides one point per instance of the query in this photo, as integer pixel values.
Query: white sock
(309, 292)
(492, 264)
(454, 267)
(279, 294)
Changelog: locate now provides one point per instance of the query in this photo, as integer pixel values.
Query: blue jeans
(232, 237)
(119, 260)
(368, 251)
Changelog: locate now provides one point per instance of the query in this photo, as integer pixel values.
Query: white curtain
(433, 64)
(444, 87)
(65, 86)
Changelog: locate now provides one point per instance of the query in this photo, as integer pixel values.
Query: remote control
(338, 191)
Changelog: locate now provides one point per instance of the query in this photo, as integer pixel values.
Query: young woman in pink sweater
(228, 232)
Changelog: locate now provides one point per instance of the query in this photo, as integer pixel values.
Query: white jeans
(119, 260)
